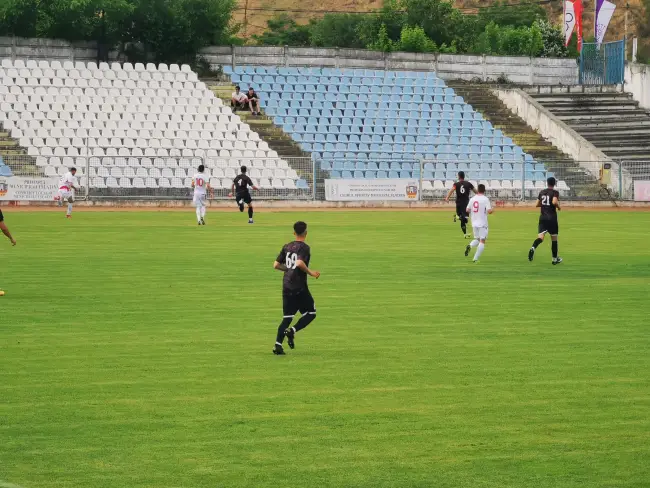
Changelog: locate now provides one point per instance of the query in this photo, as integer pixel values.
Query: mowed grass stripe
(135, 351)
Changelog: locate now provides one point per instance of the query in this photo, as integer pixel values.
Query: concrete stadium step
(596, 106)
(582, 99)
(274, 136)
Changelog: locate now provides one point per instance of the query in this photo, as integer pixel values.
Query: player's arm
(252, 185)
(301, 265)
(232, 190)
(556, 203)
(193, 184)
(279, 266)
(451, 192)
(278, 263)
(489, 208)
(5, 231)
(539, 203)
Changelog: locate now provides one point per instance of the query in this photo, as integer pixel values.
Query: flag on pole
(578, 9)
(604, 13)
(569, 21)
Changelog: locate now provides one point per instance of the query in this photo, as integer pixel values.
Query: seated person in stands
(253, 101)
(239, 100)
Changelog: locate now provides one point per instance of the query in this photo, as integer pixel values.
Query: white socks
(479, 251)
(69, 209)
(202, 212)
(198, 214)
(474, 243)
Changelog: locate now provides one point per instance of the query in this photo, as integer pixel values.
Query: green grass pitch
(135, 351)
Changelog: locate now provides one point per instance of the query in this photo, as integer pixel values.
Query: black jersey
(2, 217)
(548, 210)
(242, 182)
(294, 279)
(463, 189)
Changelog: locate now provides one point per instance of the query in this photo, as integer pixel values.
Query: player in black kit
(462, 189)
(293, 260)
(549, 203)
(240, 188)
(5, 231)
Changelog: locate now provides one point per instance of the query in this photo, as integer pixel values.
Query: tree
(414, 40)
(552, 40)
(520, 14)
(383, 42)
(282, 30)
(503, 41)
(19, 17)
(336, 30)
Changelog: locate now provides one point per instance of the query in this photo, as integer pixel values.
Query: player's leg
(462, 215)
(203, 209)
(70, 202)
(475, 241)
(197, 208)
(482, 235)
(541, 232)
(249, 202)
(240, 202)
(308, 311)
(554, 244)
(289, 309)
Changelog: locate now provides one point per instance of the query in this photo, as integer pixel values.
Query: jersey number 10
(199, 182)
(291, 260)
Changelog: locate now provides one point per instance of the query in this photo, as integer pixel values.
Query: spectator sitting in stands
(239, 100)
(253, 101)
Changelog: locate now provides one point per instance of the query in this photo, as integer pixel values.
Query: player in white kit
(201, 186)
(478, 208)
(68, 184)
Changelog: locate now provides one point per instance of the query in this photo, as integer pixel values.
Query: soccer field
(135, 351)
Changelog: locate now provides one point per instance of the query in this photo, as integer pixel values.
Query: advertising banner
(372, 190)
(641, 191)
(604, 13)
(18, 188)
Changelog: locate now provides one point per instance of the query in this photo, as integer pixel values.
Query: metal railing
(302, 178)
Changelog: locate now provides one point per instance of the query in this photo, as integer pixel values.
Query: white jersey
(478, 208)
(200, 184)
(67, 181)
(240, 97)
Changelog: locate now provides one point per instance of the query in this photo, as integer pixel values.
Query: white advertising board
(372, 190)
(19, 188)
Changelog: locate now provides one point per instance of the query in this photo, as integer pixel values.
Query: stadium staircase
(275, 137)
(493, 109)
(611, 121)
(13, 157)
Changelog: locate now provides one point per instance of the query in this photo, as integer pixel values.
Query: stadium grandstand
(139, 130)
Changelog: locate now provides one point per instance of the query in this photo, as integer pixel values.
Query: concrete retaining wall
(557, 132)
(519, 70)
(637, 82)
(50, 49)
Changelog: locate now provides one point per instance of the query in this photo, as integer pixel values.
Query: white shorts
(480, 232)
(65, 195)
(199, 200)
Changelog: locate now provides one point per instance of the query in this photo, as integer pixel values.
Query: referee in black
(293, 260)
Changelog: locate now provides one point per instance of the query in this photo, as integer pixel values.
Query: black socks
(537, 242)
(554, 249)
(304, 321)
(250, 212)
(284, 325)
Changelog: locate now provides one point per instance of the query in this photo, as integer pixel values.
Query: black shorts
(461, 209)
(239, 105)
(243, 198)
(2, 217)
(547, 226)
(300, 301)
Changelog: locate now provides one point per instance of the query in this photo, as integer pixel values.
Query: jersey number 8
(291, 260)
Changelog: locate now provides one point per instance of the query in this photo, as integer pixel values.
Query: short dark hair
(243, 169)
(250, 87)
(300, 228)
(550, 181)
(73, 169)
(481, 188)
(201, 168)
(461, 175)
(236, 87)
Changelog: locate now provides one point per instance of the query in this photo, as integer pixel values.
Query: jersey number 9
(475, 207)
(291, 260)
